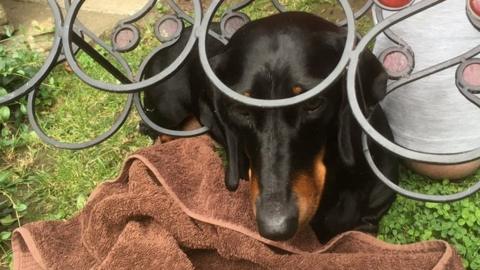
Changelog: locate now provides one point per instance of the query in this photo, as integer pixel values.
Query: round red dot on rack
(394, 3)
(471, 74)
(475, 6)
(124, 38)
(234, 23)
(168, 28)
(396, 63)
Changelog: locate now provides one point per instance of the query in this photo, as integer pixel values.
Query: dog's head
(282, 151)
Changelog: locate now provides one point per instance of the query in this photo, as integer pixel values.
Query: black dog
(304, 162)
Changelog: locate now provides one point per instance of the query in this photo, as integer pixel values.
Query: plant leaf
(3, 91)
(4, 236)
(4, 176)
(7, 221)
(21, 207)
(4, 114)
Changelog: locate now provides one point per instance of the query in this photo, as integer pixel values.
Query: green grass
(55, 183)
(46, 183)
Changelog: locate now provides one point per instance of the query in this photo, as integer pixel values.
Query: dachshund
(304, 162)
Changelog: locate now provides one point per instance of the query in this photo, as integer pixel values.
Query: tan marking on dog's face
(247, 93)
(254, 190)
(297, 90)
(308, 188)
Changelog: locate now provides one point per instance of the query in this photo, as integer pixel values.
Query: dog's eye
(244, 112)
(315, 104)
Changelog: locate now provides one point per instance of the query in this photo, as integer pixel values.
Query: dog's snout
(277, 220)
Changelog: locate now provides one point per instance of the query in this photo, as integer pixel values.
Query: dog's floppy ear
(237, 162)
(371, 84)
(237, 165)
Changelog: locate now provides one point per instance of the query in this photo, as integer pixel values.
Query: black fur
(267, 58)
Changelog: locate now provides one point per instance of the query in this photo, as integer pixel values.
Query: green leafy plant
(458, 222)
(11, 208)
(16, 68)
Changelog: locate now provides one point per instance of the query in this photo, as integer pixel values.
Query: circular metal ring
(466, 87)
(398, 62)
(32, 119)
(98, 41)
(473, 12)
(239, 5)
(49, 63)
(141, 111)
(231, 22)
(275, 103)
(76, 49)
(359, 13)
(139, 14)
(468, 75)
(469, 95)
(164, 26)
(379, 17)
(125, 38)
(410, 194)
(131, 87)
(358, 114)
(162, 130)
(279, 6)
(395, 4)
(474, 7)
(392, 87)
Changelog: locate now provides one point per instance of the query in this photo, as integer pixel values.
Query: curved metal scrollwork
(70, 37)
(49, 63)
(127, 86)
(334, 75)
(379, 138)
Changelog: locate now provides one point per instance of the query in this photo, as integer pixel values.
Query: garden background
(40, 182)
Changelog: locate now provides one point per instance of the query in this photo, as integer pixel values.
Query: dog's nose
(277, 221)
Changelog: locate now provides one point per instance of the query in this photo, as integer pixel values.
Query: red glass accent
(471, 74)
(396, 3)
(396, 62)
(168, 28)
(233, 24)
(475, 6)
(124, 38)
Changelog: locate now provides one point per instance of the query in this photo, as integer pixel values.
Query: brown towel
(169, 210)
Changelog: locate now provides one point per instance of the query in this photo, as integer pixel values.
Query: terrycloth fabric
(169, 209)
